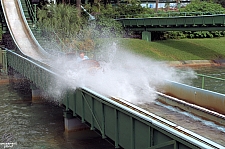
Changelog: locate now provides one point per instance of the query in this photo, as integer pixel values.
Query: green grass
(173, 50)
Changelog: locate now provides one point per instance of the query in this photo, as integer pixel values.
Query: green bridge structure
(174, 22)
(127, 125)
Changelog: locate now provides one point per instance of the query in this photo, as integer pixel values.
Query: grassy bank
(174, 50)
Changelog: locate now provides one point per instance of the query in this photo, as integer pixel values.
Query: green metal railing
(3, 59)
(167, 14)
(38, 73)
(206, 76)
(192, 23)
(200, 82)
(32, 11)
(127, 127)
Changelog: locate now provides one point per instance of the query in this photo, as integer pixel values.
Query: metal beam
(220, 28)
(181, 23)
(165, 144)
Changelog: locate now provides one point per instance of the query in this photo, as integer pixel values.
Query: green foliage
(130, 9)
(60, 24)
(61, 18)
(109, 10)
(174, 35)
(108, 27)
(218, 33)
(203, 6)
(63, 24)
(105, 25)
(193, 34)
(133, 9)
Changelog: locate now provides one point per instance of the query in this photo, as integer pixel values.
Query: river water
(41, 125)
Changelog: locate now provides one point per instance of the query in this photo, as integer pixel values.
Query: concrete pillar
(146, 36)
(73, 123)
(36, 94)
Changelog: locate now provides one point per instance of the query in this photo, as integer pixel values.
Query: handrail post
(4, 62)
(203, 82)
(35, 14)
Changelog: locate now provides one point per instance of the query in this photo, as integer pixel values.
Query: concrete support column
(73, 123)
(36, 94)
(146, 36)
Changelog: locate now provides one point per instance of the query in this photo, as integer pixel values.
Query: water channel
(41, 125)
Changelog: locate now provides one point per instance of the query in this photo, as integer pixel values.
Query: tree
(202, 6)
(156, 5)
(221, 2)
(62, 24)
(78, 5)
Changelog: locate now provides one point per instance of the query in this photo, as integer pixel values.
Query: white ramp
(20, 30)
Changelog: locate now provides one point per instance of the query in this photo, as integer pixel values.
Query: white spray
(122, 74)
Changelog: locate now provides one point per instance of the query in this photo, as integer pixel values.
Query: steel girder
(182, 23)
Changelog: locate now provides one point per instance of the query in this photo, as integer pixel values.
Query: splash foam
(123, 74)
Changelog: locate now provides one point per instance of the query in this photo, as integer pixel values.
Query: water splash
(122, 74)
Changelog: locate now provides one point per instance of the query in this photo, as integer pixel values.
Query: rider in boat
(82, 57)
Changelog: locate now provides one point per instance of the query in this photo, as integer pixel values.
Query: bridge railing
(208, 82)
(32, 11)
(203, 81)
(168, 14)
(41, 75)
(128, 125)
